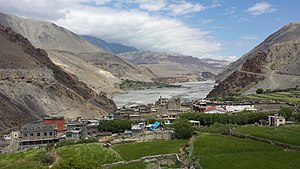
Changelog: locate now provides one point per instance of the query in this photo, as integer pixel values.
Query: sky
(217, 29)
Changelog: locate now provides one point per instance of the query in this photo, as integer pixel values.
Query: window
(38, 134)
(45, 133)
(50, 133)
(31, 134)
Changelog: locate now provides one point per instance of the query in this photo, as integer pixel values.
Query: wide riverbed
(189, 90)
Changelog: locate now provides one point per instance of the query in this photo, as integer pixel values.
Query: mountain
(114, 48)
(99, 69)
(174, 66)
(273, 64)
(47, 35)
(32, 86)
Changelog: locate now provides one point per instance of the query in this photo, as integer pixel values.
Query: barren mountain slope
(63, 45)
(287, 33)
(32, 86)
(167, 65)
(47, 35)
(277, 68)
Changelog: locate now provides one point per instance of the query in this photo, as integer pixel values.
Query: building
(35, 135)
(92, 127)
(200, 106)
(276, 120)
(195, 123)
(58, 121)
(239, 108)
(213, 110)
(169, 118)
(76, 130)
(7, 136)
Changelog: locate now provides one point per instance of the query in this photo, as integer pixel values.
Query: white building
(276, 120)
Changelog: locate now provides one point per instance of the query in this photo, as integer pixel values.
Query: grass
(134, 165)
(88, 153)
(21, 160)
(287, 134)
(214, 151)
(134, 151)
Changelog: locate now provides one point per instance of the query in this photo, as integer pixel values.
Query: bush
(183, 129)
(259, 91)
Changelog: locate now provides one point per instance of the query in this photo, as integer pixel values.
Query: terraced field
(289, 134)
(290, 96)
(85, 155)
(134, 151)
(214, 151)
(21, 160)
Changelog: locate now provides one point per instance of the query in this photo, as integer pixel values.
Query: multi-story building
(34, 135)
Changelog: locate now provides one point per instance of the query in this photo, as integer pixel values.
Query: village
(162, 114)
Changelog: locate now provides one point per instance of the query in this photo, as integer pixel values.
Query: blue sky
(219, 29)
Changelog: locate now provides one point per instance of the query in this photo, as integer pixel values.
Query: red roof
(209, 108)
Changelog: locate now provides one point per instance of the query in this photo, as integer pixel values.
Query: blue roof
(154, 126)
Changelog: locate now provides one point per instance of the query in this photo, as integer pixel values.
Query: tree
(183, 129)
(114, 126)
(259, 91)
(286, 112)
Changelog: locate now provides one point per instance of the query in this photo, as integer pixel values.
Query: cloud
(151, 5)
(261, 8)
(230, 10)
(221, 57)
(128, 26)
(139, 29)
(185, 7)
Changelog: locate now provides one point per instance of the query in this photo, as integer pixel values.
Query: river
(189, 90)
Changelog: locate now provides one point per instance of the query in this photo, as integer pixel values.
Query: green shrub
(259, 91)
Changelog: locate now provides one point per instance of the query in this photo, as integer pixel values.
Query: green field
(292, 96)
(287, 134)
(214, 151)
(137, 150)
(21, 160)
(135, 165)
(87, 153)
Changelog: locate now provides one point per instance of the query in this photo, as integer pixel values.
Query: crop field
(21, 160)
(214, 151)
(286, 134)
(88, 153)
(137, 150)
(290, 96)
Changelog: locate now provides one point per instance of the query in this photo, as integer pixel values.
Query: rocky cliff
(33, 86)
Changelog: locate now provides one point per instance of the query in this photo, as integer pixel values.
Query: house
(195, 123)
(76, 130)
(276, 120)
(156, 126)
(7, 136)
(200, 106)
(213, 110)
(169, 118)
(58, 121)
(92, 127)
(35, 135)
(109, 117)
